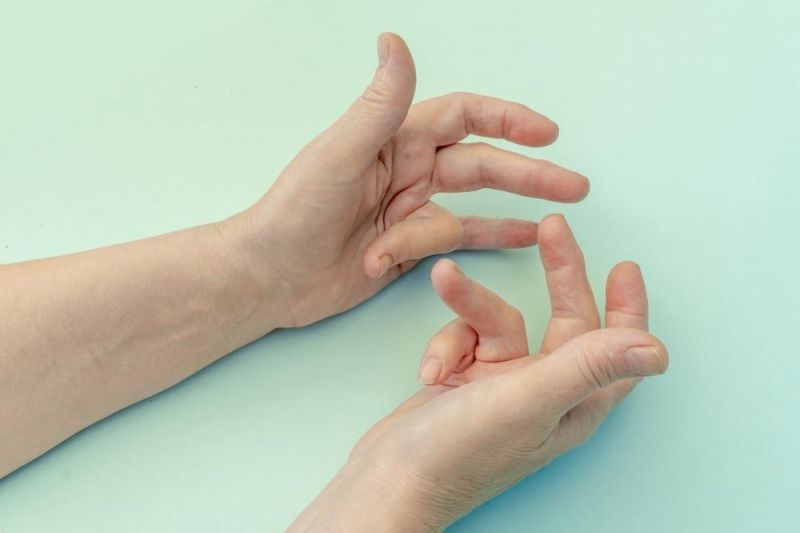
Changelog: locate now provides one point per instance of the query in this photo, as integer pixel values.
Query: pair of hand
(352, 212)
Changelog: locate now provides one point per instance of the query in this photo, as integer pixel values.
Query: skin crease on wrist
(87, 334)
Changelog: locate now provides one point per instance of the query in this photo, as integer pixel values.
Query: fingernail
(429, 370)
(383, 50)
(386, 262)
(645, 360)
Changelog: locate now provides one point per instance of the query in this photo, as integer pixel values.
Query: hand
(496, 415)
(352, 211)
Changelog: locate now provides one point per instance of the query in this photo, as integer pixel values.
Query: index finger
(452, 117)
(500, 326)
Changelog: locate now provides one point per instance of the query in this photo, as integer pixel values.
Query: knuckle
(375, 93)
(459, 95)
(596, 365)
(663, 354)
(414, 150)
(453, 229)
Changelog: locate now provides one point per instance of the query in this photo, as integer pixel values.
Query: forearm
(84, 335)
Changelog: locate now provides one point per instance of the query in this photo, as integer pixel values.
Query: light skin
(492, 414)
(87, 334)
(353, 210)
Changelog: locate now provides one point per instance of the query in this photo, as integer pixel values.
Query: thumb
(377, 114)
(591, 362)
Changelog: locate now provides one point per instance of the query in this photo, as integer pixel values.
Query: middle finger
(472, 166)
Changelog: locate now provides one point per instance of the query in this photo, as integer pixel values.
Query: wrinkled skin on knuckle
(458, 235)
(377, 93)
(453, 231)
(598, 365)
(409, 147)
(513, 342)
(458, 95)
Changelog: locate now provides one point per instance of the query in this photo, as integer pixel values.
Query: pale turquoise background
(119, 122)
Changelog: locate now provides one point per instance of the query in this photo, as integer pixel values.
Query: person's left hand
(352, 211)
(493, 414)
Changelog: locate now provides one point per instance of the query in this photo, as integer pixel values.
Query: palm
(488, 337)
(348, 212)
(485, 417)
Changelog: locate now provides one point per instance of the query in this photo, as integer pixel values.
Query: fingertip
(375, 266)
(556, 131)
(625, 287)
(663, 354)
(445, 276)
(383, 49)
(547, 133)
(390, 44)
(582, 187)
(554, 219)
(446, 352)
(626, 271)
(635, 338)
(392, 38)
(629, 264)
(658, 353)
(371, 268)
(531, 128)
(446, 262)
(561, 184)
(430, 370)
(400, 69)
(385, 262)
(643, 361)
(552, 229)
(444, 269)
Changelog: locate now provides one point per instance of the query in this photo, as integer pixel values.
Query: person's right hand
(496, 415)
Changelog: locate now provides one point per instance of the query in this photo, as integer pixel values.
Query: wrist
(259, 296)
(367, 496)
(262, 242)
